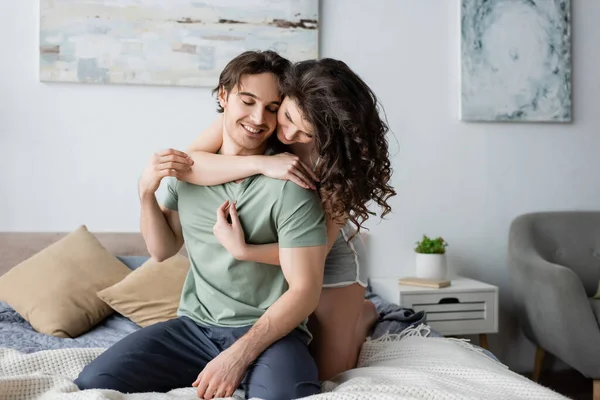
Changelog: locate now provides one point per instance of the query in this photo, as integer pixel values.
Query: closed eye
(272, 109)
(289, 118)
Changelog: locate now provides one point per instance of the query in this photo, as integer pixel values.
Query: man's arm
(303, 269)
(160, 228)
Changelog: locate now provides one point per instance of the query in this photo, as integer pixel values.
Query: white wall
(72, 154)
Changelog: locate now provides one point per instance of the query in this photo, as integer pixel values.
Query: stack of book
(430, 283)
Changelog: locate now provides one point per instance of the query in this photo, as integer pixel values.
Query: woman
(329, 120)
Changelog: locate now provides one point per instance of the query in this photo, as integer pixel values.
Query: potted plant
(431, 258)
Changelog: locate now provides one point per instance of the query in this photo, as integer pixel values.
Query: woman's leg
(338, 329)
(367, 319)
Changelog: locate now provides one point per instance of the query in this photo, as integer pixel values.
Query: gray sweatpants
(171, 354)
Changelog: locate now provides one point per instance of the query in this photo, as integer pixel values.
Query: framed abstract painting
(516, 60)
(167, 42)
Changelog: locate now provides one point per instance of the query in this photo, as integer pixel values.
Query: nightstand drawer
(455, 316)
(466, 307)
(456, 313)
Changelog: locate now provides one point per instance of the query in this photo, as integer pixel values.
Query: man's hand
(231, 236)
(165, 163)
(222, 376)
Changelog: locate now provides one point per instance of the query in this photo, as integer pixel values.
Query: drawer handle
(448, 300)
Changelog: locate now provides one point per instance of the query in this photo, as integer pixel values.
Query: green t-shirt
(220, 290)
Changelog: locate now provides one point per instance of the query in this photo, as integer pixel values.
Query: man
(238, 320)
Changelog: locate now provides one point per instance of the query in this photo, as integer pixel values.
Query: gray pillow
(133, 262)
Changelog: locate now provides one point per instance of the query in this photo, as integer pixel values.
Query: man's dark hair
(251, 63)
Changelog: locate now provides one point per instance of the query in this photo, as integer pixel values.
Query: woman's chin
(283, 140)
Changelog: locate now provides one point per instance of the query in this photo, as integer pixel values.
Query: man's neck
(231, 148)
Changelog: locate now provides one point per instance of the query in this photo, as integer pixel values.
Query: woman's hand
(230, 235)
(165, 163)
(287, 166)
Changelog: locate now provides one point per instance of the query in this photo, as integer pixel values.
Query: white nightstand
(466, 307)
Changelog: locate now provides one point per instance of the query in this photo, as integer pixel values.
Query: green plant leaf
(431, 246)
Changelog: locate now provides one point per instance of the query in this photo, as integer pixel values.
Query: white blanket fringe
(409, 365)
(421, 330)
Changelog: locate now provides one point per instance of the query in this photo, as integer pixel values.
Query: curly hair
(350, 137)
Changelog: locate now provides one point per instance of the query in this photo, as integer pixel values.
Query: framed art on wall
(516, 60)
(167, 42)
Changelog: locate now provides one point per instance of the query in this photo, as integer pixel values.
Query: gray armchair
(554, 267)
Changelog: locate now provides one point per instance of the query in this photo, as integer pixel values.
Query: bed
(403, 358)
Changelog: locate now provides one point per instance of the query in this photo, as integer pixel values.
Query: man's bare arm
(160, 228)
(303, 269)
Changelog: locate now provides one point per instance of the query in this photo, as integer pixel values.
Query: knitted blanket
(407, 366)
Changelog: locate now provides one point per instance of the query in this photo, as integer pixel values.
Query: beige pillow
(55, 289)
(151, 293)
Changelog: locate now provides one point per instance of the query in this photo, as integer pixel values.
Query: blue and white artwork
(167, 42)
(516, 60)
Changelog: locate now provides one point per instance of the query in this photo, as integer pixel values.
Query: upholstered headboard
(19, 246)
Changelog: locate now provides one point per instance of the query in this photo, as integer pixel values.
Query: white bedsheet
(411, 367)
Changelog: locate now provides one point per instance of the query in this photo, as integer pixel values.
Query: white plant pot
(431, 266)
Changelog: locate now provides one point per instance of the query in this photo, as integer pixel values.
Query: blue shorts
(170, 355)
